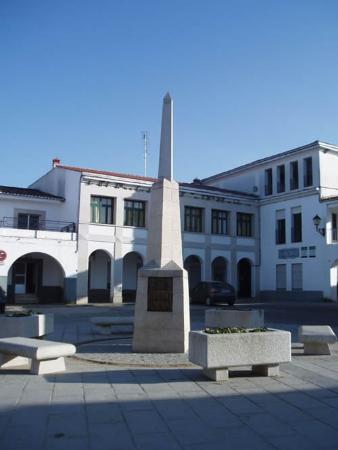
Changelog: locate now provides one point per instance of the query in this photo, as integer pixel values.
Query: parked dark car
(210, 292)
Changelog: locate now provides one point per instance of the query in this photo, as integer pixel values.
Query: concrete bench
(108, 325)
(316, 339)
(45, 356)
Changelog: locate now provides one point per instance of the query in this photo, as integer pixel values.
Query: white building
(80, 234)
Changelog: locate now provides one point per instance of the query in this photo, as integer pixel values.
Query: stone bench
(316, 339)
(45, 356)
(109, 325)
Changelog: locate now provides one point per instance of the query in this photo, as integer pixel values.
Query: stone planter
(216, 353)
(246, 318)
(36, 325)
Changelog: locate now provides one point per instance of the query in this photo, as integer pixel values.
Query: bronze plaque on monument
(160, 294)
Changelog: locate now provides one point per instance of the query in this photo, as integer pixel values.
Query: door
(19, 275)
(244, 278)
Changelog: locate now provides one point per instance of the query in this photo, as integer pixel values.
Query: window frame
(280, 231)
(244, 225)
(308, 171)
(193, 223)
(280, 178)
(106, 209)
(134, 216)
(294, 180)
(219, 224)
(296, 229)
(268, 180)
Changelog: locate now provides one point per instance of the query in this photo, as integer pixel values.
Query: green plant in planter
(233, 330)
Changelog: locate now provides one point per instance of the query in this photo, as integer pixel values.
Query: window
(280, 277)
(244, 225)
(28, 221)
(101, 210)
(281, 178)
(297, 277)
(296, 231)
(268, 181)
(334, 227)
(219, 222)
(280, 231)
(308, 172)
(193, 219)
(294, 181)
(134, 213)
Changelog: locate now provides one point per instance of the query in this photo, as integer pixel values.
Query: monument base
(162, 320)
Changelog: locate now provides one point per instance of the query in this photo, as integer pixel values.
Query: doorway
(244, 278)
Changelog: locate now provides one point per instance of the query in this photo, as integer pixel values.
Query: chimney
(56, 162)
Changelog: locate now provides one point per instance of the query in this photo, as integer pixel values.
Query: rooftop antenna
(145, 139)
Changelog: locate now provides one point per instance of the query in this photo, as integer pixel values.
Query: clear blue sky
(80, 79)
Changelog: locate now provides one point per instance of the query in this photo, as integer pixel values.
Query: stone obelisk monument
(162, 322)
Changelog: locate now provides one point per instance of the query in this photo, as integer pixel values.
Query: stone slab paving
(108, 407)
(103, 407)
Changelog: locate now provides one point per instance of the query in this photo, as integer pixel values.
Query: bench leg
(11, 361)
(48, 366)
(266, 370)
(216, 374)
(314, 348)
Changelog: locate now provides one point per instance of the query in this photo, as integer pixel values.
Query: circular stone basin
(119, 352)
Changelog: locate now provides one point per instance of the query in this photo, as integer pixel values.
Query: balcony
(43, 229)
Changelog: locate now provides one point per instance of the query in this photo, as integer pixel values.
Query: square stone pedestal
(162, 320)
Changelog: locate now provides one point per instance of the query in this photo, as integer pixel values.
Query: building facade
(80, 235)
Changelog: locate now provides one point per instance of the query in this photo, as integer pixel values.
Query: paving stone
(267, 425)
(103, 413)
(68, 425)
(63, 443)
(157, 441)
(134, 402)
(111, 437)
(141, 422)
(322, 434)
(294, 442)
(22, 437)
(240, 405)
(236, 438)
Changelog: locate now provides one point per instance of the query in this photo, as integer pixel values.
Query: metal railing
(41, 225)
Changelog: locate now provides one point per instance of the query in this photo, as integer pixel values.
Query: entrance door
(19, 276)
(244, 278)
(25, 277)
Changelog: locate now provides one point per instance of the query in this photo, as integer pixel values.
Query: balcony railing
(45, 225)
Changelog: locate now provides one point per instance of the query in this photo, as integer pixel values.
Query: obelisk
(162, 322)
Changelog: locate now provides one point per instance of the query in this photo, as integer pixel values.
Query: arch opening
(219, 269)
(132, 262)
(35, 278)
(99, 275)
(244, 278)
(192, 265)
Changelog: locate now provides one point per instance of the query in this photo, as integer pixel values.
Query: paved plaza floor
(97, 406)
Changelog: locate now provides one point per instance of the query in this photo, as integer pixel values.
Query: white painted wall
(315, 270)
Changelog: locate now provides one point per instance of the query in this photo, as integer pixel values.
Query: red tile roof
(106, 172)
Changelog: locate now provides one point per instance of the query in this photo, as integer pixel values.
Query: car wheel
(208, 301)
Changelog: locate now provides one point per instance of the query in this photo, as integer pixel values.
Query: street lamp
(316, 222)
